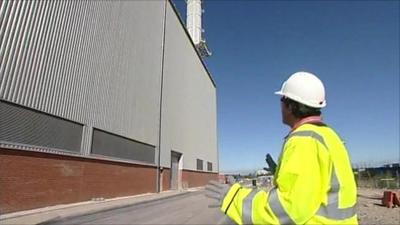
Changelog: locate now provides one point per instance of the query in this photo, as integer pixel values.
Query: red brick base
(165, 179)
(196, 178)
(31, 179)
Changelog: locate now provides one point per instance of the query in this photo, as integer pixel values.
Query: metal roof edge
(191, 41)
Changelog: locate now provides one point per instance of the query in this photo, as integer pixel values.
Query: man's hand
(271, 163)
(216, 192)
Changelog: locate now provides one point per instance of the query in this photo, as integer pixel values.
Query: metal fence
(378, 177)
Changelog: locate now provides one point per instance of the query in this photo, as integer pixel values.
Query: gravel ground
(371, 211)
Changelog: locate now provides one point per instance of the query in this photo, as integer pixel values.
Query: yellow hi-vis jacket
(313, 184)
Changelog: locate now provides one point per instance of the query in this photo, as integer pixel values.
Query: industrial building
(101, 99)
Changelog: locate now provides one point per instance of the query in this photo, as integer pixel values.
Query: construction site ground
(371, 211)
(183, 207)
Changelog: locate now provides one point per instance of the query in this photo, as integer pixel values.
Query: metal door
(175, 170)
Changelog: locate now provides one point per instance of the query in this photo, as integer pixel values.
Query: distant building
(100, 99)
(388, 170)
(262, 173)
(392, 165)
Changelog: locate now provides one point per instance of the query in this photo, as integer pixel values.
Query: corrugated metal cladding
(99, 63)
(93, 62)
(115, 146)
(189, 117)
(26, 126)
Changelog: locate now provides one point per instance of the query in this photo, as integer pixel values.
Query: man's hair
(300, 110)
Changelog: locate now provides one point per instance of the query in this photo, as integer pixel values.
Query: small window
(209, 166)
(199, 164)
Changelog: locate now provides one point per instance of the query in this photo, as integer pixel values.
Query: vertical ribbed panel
(28, 127)
(108, 144)
(86, 140)
(93, 62)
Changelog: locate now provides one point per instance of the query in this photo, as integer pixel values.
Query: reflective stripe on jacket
(314, 184)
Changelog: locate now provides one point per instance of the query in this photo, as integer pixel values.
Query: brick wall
(165, 179)
(197, 178)
(31, 180)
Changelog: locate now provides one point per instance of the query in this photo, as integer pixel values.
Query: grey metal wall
(93, 62)
(189, 102)
(98, 63)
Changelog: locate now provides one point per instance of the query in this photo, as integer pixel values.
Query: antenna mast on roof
(193, 25)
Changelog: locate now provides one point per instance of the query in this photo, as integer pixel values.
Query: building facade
(100, 99)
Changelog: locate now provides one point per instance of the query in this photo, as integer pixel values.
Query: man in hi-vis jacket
(313, 181)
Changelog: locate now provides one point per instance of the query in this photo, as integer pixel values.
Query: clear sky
(353, 46)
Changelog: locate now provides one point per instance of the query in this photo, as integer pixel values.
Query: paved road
(190, 208)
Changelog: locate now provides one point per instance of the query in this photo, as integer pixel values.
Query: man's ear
(289, 108)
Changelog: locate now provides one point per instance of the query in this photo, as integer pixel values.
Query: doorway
(175, 175)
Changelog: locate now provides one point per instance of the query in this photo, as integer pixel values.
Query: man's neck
(310, 119)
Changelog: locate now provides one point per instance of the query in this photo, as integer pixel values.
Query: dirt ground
(371, 211)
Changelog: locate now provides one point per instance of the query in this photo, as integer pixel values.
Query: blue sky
(352, 46)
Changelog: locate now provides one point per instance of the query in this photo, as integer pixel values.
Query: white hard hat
(305, 88)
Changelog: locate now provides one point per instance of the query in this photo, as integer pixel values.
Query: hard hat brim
(294, 98)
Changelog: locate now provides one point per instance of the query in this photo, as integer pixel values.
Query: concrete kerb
(55, 213)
